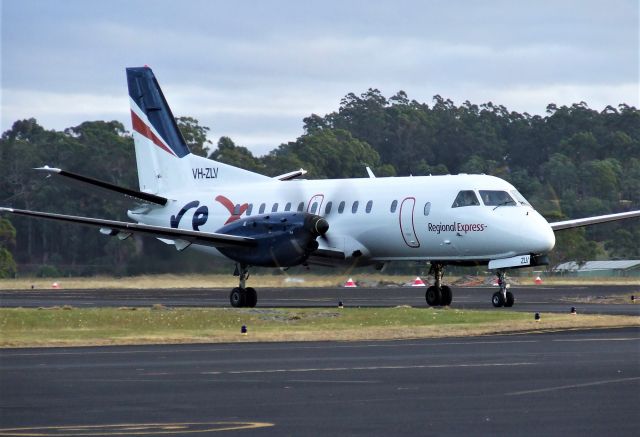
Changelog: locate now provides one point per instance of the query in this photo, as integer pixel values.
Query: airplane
(192, 202)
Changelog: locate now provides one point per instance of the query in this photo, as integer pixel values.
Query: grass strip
(66, 326)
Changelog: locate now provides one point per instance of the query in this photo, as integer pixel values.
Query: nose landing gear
(503, 297)
(241, 296)
(438, 294)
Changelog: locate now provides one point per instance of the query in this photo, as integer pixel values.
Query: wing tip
(48, 169)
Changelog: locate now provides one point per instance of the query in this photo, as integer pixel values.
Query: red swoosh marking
(229, 205)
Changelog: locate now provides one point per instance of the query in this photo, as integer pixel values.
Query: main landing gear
(438, 294)
(241, 296)
(503, 297)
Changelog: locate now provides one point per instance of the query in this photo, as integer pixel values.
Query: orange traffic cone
(418, 282)
(350, 283)
(538, 280)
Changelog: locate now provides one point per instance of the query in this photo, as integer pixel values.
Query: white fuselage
(397, 218)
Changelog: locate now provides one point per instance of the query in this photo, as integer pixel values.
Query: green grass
(68, 327)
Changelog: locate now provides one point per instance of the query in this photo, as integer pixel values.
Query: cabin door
(407, 228)
(315, 204)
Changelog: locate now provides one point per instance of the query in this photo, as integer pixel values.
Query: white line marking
(597, 339)
(565, 387)
(332, 381)
(343, 369)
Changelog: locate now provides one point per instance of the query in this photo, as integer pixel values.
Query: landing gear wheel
(238, 297)
(497, 300)
(252, 297)
(447, 296)
(509, 300)
(433, 296)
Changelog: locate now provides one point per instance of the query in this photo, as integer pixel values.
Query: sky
(252, 70)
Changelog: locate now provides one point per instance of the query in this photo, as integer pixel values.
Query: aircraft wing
(182, 237)
(104, 187)
(569, 224)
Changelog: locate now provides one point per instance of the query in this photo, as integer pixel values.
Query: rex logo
(201, 214)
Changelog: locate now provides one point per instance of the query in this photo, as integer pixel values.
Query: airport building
(600, 269)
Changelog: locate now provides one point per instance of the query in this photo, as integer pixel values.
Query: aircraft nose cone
(543, 239)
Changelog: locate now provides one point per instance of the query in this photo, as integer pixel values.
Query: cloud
(59, 110)
(253, 70)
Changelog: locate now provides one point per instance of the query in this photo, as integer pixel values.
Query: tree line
(573, 161)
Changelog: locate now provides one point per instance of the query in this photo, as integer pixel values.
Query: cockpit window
(465, 198)
(496, 198)
(519, 197)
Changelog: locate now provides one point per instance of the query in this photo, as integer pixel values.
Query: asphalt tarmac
(556, 383)
(586, 299)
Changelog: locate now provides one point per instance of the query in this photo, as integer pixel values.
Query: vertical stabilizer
(164, 161)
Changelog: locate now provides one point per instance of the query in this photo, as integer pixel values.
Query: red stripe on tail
(142, 128)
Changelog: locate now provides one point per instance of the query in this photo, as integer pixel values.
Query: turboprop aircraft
(192, 202)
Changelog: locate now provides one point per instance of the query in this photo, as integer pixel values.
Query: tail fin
(163, 158)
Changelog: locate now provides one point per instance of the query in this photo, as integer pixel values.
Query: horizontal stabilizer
(577, 223)
(291, 175)
(105, 186)
(117, 228)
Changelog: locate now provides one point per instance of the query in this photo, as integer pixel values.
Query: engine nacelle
(283, 239)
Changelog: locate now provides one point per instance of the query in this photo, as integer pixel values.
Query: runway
(586, 299)
(559, 383)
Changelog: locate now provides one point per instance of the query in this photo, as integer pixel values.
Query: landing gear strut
(438, 294)
(503, 297)
(241, 296)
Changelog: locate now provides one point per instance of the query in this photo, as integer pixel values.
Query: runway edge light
(573, 311)
(243, 330)
(536, 317)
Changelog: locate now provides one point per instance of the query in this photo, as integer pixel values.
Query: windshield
(519, 197)
(465, 198)
(496, 198)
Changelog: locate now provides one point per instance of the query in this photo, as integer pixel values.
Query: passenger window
(496, 198)
(369, 206)
(427, 208)
(314, 207)
(287, 207)
(394, 205)
(354, 207)
(275, 208)
(465, 198)
(262, 207)
(301, 207)
(341, 207)
(249, 209)
(327, 209)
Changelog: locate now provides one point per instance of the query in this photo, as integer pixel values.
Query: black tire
(510, 300)
(252, 297)
(433, 296)
(447, 296)
(497, 299)
(237, 297)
